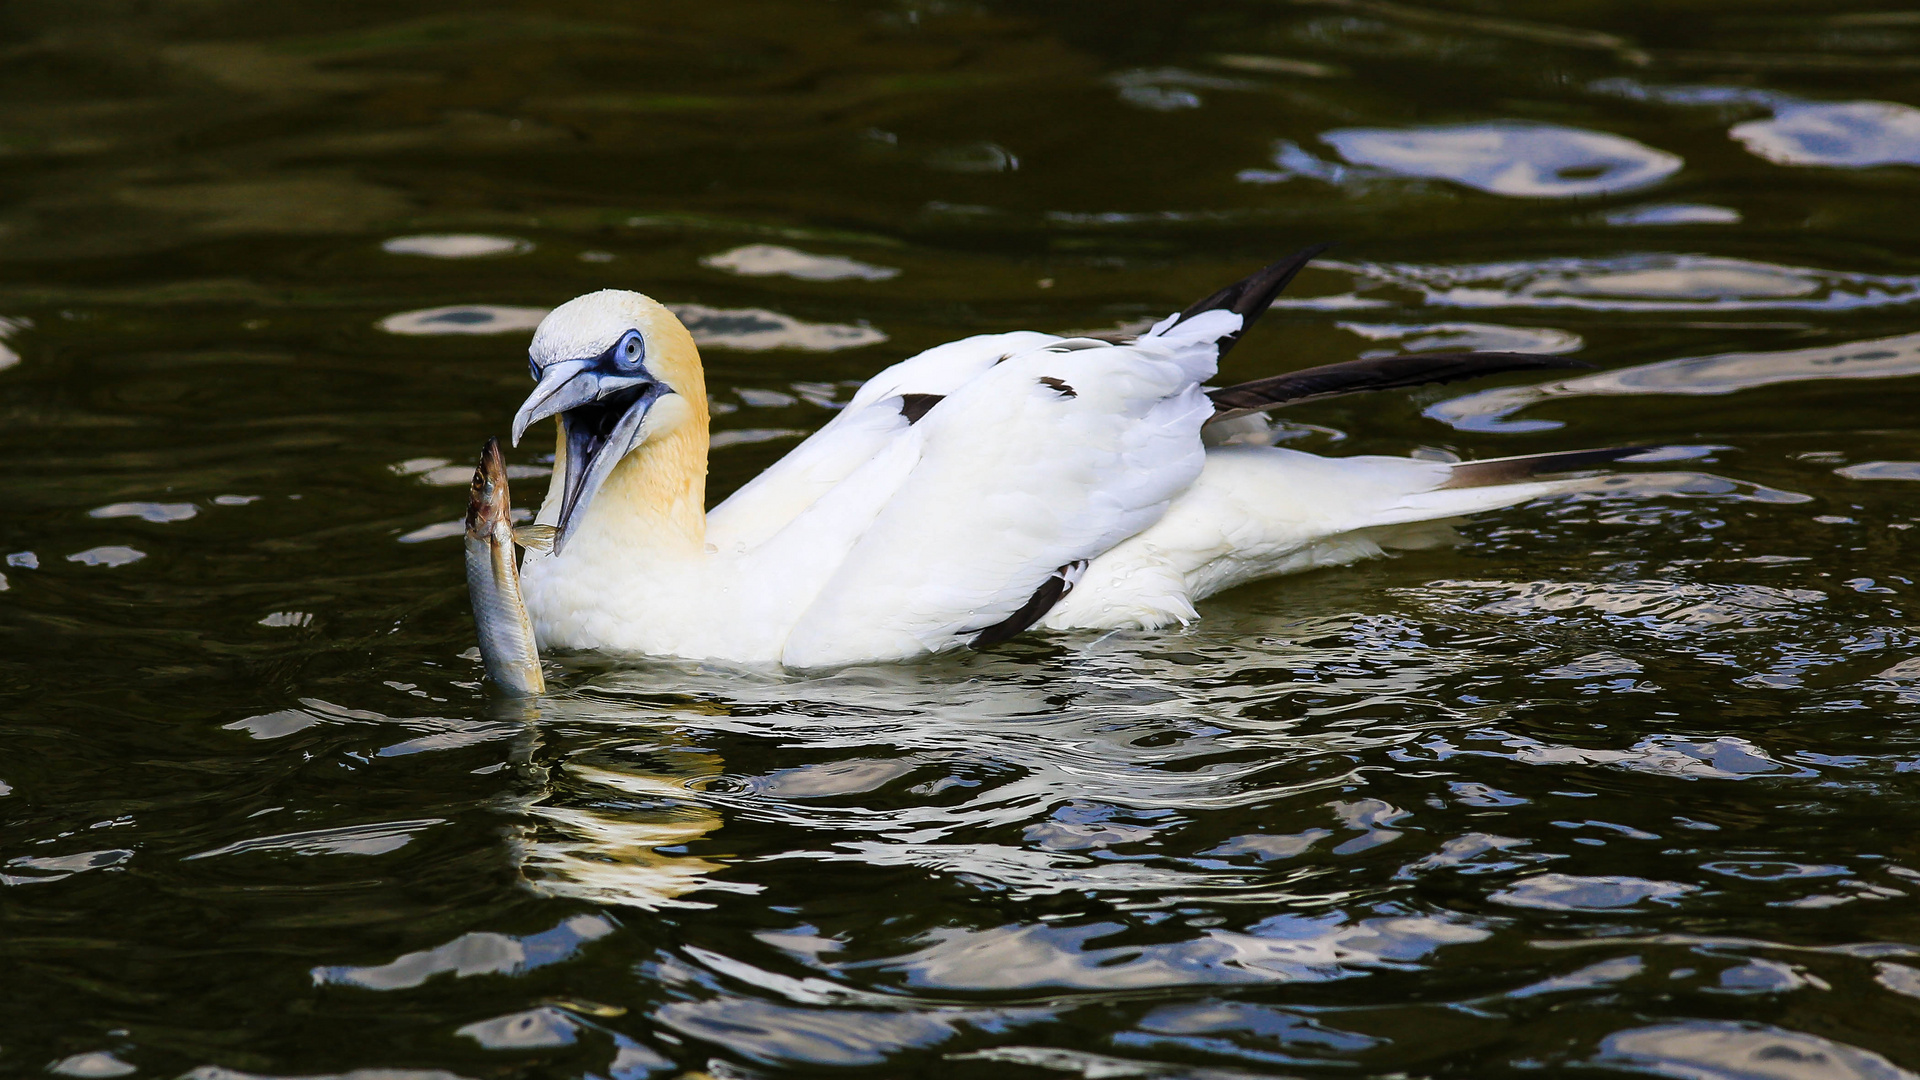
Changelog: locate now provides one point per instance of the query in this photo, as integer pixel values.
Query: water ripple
(1723, 373)
(1724, 1050)
(1653, 282)
(1512, 158)
(745, 329)
(773, 260)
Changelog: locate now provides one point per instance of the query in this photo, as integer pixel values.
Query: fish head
(618, 370)
(488, 502)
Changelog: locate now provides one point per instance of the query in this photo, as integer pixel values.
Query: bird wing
(1376, 373)
(898, 397)
(881, 411)
(1258, 511)
(1031, 467)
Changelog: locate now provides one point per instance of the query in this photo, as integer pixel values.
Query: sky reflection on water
(1615, 782)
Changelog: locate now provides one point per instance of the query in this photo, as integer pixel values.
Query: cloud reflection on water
(1465, 336)
(1673, 214)
(455, 245)
(1729, 1050)
(1650, 282)
(1834, 134)
(775, 260)
(745, 329)
(1724, 373)
(1514, 158)
(1845, 134)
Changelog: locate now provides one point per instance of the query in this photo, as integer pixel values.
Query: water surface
(1623, 782)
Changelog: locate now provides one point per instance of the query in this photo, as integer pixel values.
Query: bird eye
(533, 366)
(631, 350)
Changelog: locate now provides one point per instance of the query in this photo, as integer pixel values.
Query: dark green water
(1625, 782)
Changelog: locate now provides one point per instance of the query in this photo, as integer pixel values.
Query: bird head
(619, 371)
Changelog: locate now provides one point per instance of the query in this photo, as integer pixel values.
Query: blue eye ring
(630, 351)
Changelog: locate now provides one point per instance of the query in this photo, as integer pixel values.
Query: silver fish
(493, 581)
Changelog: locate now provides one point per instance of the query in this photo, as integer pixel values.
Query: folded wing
(883, 409)
(1043, 461)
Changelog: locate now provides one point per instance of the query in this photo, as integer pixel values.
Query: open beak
(601, 414)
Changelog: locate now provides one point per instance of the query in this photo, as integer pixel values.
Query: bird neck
(653, 504)
(660, 492)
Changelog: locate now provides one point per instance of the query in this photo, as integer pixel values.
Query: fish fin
(537, 537)
(1379, 373)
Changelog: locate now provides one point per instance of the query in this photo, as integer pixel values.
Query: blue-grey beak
(601, 403)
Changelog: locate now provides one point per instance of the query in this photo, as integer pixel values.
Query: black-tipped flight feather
(1251, 296)
(1380, 373)
(1492, 472)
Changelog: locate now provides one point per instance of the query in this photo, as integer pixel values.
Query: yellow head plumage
(623, 376)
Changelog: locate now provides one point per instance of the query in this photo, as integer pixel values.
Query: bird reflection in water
(598, 816)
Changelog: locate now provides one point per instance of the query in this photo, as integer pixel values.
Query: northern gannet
(963, 495)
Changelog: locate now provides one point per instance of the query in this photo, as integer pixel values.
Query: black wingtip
(1380, 373)
(1496, 471)
(1058, 584)
(1251, 296)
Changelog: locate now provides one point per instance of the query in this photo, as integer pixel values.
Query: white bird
(963, 495)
